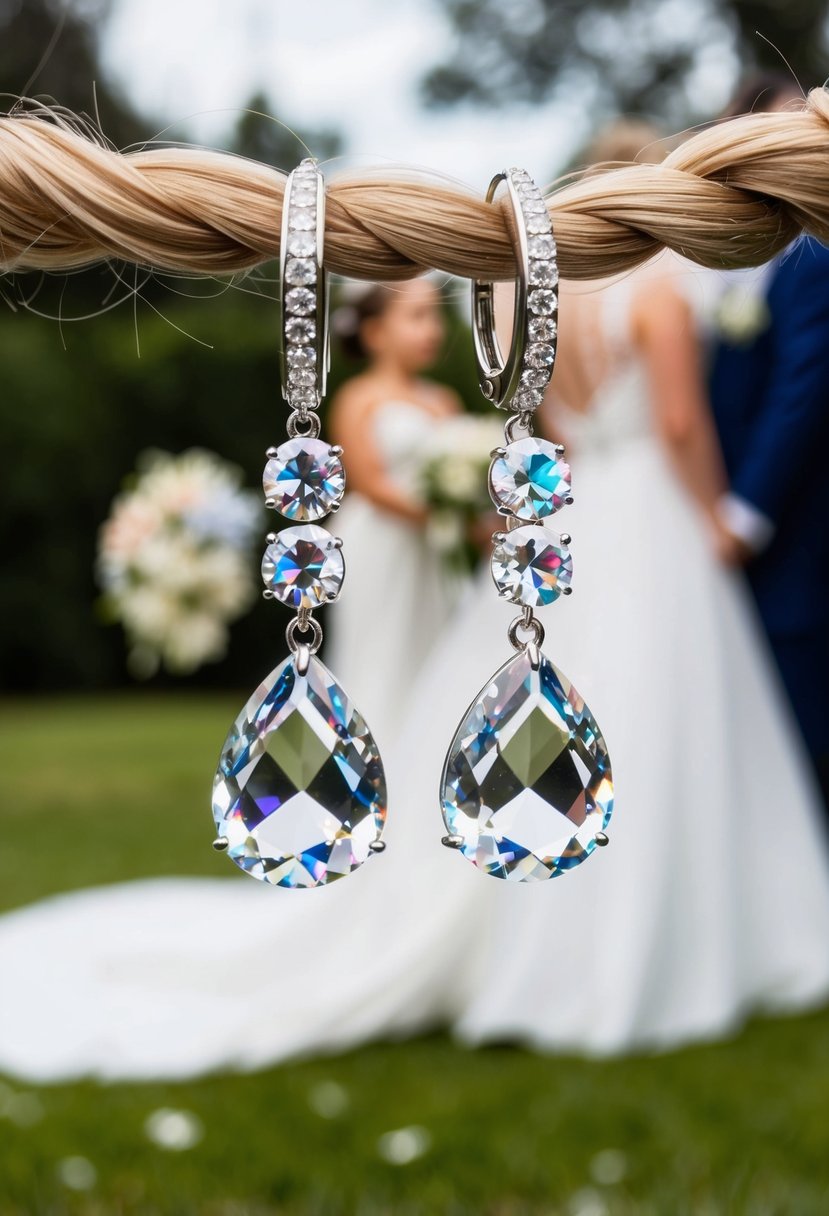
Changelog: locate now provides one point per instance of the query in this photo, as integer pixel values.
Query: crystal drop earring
(526, 789)
(299, 796)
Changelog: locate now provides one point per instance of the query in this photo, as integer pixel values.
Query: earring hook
(518, 380)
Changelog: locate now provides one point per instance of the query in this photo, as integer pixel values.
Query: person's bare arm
(352, 411)
(665, 331)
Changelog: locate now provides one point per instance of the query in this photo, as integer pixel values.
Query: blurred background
(101, 365)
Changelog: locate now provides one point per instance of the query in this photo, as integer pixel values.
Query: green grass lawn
(101, 790)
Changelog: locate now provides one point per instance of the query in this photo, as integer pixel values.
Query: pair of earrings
(299, 796)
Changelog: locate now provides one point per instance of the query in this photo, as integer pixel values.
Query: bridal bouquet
(174, 559)
(453, 480)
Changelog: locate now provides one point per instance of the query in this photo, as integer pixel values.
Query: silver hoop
(300, 624)
(528, 623)
(519, 380)
(303, 424)
(305, 356)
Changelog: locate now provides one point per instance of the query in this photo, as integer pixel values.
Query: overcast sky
(351, 64)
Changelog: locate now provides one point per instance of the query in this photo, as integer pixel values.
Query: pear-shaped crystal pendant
(299, 797)
(527, 789)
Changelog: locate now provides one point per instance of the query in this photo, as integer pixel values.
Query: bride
(713, 896)
(397, 595)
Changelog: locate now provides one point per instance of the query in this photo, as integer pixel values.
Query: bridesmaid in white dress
(713, 896)
(397, 594)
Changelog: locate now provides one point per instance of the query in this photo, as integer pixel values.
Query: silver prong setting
(220, 844)
(452, 842)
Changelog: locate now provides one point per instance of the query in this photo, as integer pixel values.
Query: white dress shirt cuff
(745, 521)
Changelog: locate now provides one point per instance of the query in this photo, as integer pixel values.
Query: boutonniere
(741, 315)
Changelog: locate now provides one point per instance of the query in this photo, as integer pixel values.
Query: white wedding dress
(711, 900)
(397, 593)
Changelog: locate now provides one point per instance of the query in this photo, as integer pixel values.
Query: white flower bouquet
(453, 481)
(174, 559)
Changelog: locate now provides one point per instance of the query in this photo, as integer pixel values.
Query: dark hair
(359, 306)
(760, 92)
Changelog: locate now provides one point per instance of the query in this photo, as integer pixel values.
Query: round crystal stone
(536, 206)
(300, 329)
(303, 194)
(302, 377)
(527, 785)
(537, 222)
(543, 329)
(300, 271)
(530, 479)
(536, 377)
(304, 566)
(302, 356)
(542, 301)
(305, 479)
(302, 219)
(527, 398)
(302, 244)
(543, 274)
(541, 247)
(531, 566)
(300, 300)
(541, 354)
(300, 793)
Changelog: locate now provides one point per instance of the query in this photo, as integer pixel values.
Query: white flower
(329, 1099)
(77, 1173)
(194, 638)
(174, 1130)
(741, 315)
(461, 480)
(455, 458)
(403, 1145)
(228, 516)
(587, 1202)
(609, 1166)
(20, 1106)
(150, 612)
(444, 531)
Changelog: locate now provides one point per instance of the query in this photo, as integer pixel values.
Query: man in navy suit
(770, 396)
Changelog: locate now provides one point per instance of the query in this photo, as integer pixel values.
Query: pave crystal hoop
(526, 789)
(299, 797)
(305, 354)
(519, 380)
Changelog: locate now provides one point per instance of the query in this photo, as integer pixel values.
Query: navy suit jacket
(771, 404)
